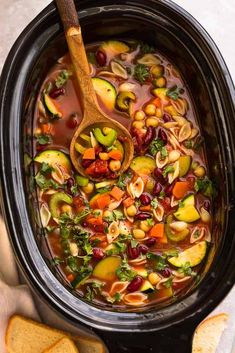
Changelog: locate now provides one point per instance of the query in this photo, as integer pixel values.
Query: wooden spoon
(92, 114)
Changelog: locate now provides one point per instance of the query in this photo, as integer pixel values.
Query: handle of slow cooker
(173, 339)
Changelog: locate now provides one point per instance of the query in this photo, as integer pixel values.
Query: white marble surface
(217, 17)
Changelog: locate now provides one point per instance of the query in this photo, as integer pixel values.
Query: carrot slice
(95, 221)
(70, 277)
(180, 189)
(157, 102)
(163, 240)
(128, 202)
(117, 193)
(115, 154)
(145, 208)
(157, 231)
(103, 201)
(89, 153)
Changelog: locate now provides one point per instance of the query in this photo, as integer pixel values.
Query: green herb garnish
(62, 78)
(174, 92)
(141, 73)
(124, 271)
(156, 146)
(43, 139)
(167, 170)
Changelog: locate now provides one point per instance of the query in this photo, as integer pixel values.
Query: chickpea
(73, 249)
(150, 109)
(131, 210)
(37, 131)
(173, 156)
(157, 71)
(199, 171)
(114, 166)
(154, 278)
(106, 130)
(103, 156)
(139, 115)
(89, 188)
(138, 124)
(107, 214)
(160, 82)
(144, 226)
(152, 121)
(66, 209)
(159, 113)
(138, 234)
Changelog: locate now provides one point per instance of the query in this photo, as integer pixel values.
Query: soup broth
(141, 237)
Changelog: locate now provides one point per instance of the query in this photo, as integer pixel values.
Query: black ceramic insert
(180, 38)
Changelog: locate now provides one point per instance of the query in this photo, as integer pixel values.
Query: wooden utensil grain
(92, 114)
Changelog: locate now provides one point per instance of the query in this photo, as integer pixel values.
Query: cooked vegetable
(81, 278)
(180, 189)
(55, 202)
(114, 47)
(176, 236)
(106, 268)
(106, 92)
(143, 165)
(187, 214)
(81, 180)
(79, 148)
(124, 99)
(105, 140)
(146, 287)
(193, 256)
(141, 73)
(53, 157)
(51, 107)
(157, 231)
(117, 193)
(184, 165)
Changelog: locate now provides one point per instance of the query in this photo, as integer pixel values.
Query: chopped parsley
(123, 180)
(167, 170)
(125, 272)
(154, 203)
(156, 146)
(141, 73)
(146, 48)
(56, 261)
(62, 78)
(168, 283)
(205, 186)
(45, 183)
(187, 270)
(174, 92)
(160, 261)
(115, 299)
(43, 139)
(150, 222)
(164, 153)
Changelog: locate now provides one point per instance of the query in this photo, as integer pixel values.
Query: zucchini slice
(81, 180)
(187, 212)
(55, 200)
(51, 107)
(184, 165)
(143, 165)
(106, 92)
(193, 255)
(53, 157)
(80, 279)
(106, 268)
(146, 287)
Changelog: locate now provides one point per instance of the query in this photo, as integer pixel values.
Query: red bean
(56, 92)
(84, 224)
(145, 199)
(135, 284)
(100, 57)
(157, 189)
(166, 117)
(70, 182)
(143, 249)
(141, 216)
(150, 135)
(163, 136)
(158, 174)
(166, 272)
(133, 253)
(86, 163)
(72, 122)
(150, 242)
(206, 205)
(169, 188)
(98, 253)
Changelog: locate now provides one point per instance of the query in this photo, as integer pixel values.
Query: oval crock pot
(180, 38)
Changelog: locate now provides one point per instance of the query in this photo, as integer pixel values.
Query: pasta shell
(194, 133)
(185, 132)
(176, 145)
(113, 232)
(128, 87)
(118, 69)
(174, 202)
(181, 280)
(159, 285)
(45, 215)
(180, 105)
(50, 192)
(118, 287)
(180, 120)
(59, 174)
(138, 262)
(130, 219)
(135, 299)
(175, 174)
(205, 215)
(106, 73)
(115, 204)
(136, 189)
(149, 60)
(197, 234)
(123, 228)
(175, 131)
(158, 213)
(170, 124)
(159, 161)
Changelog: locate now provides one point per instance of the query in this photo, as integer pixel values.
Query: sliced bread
(207, 335)
(64, 345)
(88, 345)
(27, 336)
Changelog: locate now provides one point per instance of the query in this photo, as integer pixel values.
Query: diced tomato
(98, 168)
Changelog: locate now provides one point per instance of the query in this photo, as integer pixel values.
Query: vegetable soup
(141, 237)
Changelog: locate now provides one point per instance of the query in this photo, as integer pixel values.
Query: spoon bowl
(93, 116)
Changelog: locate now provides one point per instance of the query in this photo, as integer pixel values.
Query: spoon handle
(69, 17)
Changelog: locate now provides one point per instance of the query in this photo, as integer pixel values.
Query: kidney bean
(143, 249)
(157, 189)
(150, 242)
(84, 224)
(162, 135)
(133, 253)
(150, 135)
(206, 205)
(100, 57)
(135, 284)
(169, 188)
(166, 272)
(98, 253)
(56, 92)
(166, 117)
(142, 216)
(158, 174)
(72, 122)
(145, 199)
(98, 149)
(70, 182)
(86, 163)
(99, 228)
